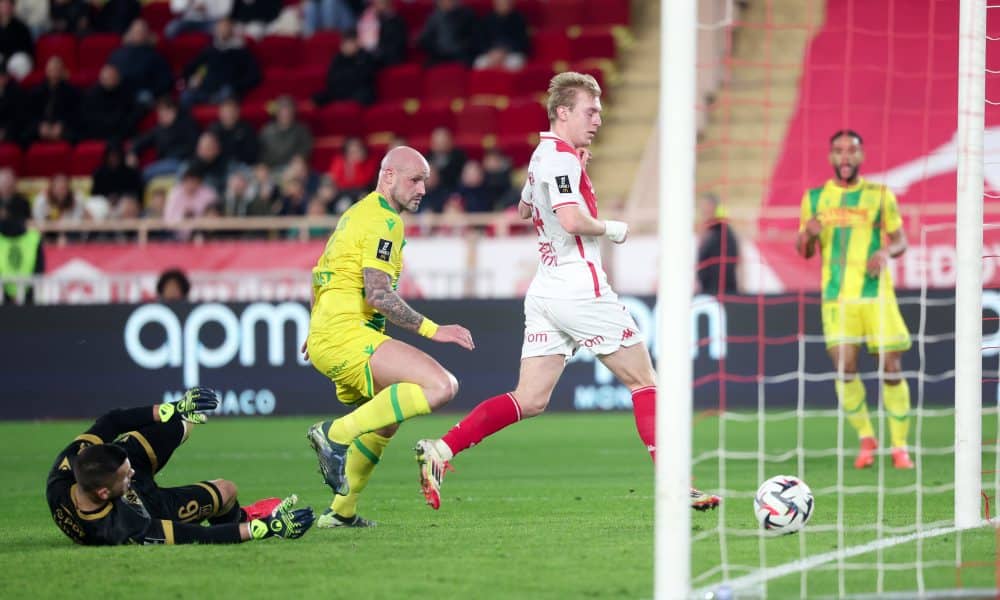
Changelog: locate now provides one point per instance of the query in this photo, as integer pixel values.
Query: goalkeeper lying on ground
(101, 489)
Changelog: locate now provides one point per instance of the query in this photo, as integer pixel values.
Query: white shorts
(556, 326)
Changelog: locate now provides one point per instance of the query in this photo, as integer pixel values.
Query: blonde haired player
(857, 226)
(384, 380)
(569, 303)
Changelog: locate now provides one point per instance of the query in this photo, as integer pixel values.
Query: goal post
(969, 253)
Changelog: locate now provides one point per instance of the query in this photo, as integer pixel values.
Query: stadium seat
(414, 13)
(533, 79)
(278, 52)
(95, 49)
(182, 49)
(564, 13)
(320, 49)
(157, 15)
(62, 45)
(532, 11)
(518, 147)
(388, 117)
(606, 13)
(491, 83)
(339, 119)
(11, 156)
(550, 45)
(591, 42)
(522, 117)
(399, 82)
(205, 114)
(86, 158)
(445, 81)
(46, 158)
(255, 113)
(472, 144)
(478, 120)
(324, 150)
(427, 117)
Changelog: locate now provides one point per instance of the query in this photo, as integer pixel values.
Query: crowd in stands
(185, 130)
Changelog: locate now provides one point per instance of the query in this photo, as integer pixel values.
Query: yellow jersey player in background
(857, 226)
(384, 380)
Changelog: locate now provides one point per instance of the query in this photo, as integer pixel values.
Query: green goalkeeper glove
(191, 407)
(283, 522)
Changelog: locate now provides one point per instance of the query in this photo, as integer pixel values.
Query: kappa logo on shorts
(628, 333)
(562, 182)
(384, 250)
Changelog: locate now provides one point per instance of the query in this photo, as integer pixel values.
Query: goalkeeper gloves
(616, 231)
(191, 407)
(283, 522)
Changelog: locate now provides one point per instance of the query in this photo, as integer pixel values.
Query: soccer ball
(783, 504)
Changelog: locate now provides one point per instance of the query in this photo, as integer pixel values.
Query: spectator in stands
(450, 33)
(263, 189)
(435, 194)
(253, 16)
(503, 38)
(294, 199)
(142, 68)
(34, 14)
(351, 75)
(353, 170)
(173, 286)
(225, 68)
(116, 180)
(21, 252)
(53, 104)
(472, 189)
(241, 199)
(299, 167)
(69, 16)
(237, 137)
(448, 159)
(284, 138)
(108, 110)
(211, 163)
(57, 202)
(718, 250)
(116, 16)
(173, 139)
(196, 15)
(17, 48)
(497, 180)
(327, 14)
(382, 32)
(12, 107)
(190, 199)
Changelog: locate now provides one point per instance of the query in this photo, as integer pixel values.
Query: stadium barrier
(79, 361)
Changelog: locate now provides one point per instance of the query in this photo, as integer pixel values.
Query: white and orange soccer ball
(783, 504)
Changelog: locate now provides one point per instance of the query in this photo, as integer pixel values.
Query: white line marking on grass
(800, 565)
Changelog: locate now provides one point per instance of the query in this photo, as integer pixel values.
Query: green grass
(557, 507)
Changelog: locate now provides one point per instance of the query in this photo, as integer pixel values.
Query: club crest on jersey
(384, 250)
(562, 182)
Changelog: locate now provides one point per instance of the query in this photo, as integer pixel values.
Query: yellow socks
(394, 404)
(362, 456)
(897, 407)
(852, 397)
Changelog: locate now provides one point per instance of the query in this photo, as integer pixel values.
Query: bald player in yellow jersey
(384, 380)
(857, 226)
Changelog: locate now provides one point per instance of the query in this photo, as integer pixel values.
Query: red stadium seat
(414, 13)
(471, 144)
(607, 13)
(84, 78)
(518, 147)
(399, 83)
(532, 11)
(86, 158)
(320, 49)
(277, 52)
(428, 117)
(255, 113)
(388, 117)
(550, 45)
(339, 119)
(46, 158)
(157, 15)
(491, 82)
(182, 49)
(324, 149)
(477, 120)
(564, 13)
(62, 45)
(533, 79)
(95, 49)
(11, 156)
(592, 42)
(522, 117)
(205, 114)
(445, 81)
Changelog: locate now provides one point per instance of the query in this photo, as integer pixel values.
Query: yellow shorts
(878, 324)
(342, 352)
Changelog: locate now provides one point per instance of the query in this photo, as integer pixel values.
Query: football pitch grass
(556, 507)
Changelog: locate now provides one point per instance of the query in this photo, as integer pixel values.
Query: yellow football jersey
(369, 234)
(854, 219)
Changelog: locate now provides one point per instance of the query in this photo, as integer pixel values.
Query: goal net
(891, 71)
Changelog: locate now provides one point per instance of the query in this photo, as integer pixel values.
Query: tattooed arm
(380, 296)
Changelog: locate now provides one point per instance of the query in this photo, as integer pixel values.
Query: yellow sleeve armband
(427, 328)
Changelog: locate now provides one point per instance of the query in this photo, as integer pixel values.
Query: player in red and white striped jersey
(569, 303)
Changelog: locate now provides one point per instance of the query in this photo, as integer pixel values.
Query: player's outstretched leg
(331, 455)
(362, 457)
(433, 465)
